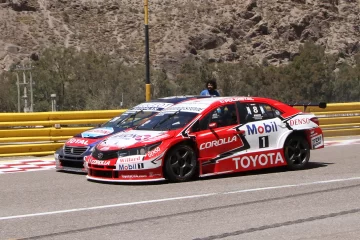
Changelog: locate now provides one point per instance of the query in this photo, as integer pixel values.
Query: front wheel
(297, 152)
(180, 164)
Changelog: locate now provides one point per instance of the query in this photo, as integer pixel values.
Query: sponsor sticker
(219, 142)
(133, 176)
(237, 99)
(127, 167)
(153, 152)
(254, 129)
(99, 162)
(258, 160)
(294, 122)
(187, 109)
(153, 106)
(128, 136)
(130, 159)
(78, 141)
(317, 141)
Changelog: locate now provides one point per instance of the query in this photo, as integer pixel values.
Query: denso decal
(135, 166)
(265, 128)
(78, 141)
(134, 158)
(99, 162)
(258, 160)
(219, 142)
(294, 122)
(153, 152)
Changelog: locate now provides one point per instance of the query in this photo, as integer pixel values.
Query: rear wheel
(180, 164)
(297, 152)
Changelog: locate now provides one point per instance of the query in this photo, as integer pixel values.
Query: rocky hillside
(216, 30)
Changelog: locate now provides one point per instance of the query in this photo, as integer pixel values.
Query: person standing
(210, 89)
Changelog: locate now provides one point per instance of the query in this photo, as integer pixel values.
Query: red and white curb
(29, 165)
(26, 165)
(342, 142)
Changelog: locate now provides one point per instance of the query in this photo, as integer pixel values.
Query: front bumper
(143, 171)
(70, 162)
(123, 180)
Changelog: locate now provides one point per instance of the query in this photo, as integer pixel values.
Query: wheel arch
(284, 137)
(189, 142)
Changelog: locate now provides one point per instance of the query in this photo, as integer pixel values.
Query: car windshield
(168, 121)
(129, 119)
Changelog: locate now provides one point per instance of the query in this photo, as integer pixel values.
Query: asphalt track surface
(320, 202)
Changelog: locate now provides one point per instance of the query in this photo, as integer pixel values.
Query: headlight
(146, 149)
(138, 151)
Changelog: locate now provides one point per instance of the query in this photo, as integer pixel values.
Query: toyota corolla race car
(70, 156)
(210, 136)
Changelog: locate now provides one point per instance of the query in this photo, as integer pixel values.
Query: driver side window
(222, 116)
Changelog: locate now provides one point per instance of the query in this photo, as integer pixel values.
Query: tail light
(315, 120)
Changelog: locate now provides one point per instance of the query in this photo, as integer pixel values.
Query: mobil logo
(135, 166)
(263, 128)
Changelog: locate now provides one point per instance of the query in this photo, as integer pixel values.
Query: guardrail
(37, 134)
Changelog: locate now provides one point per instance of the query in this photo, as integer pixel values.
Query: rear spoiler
(308, 104)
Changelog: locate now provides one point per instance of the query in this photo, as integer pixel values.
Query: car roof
(198, 105)
(163, 103)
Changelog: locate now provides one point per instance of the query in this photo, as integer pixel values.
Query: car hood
(92, 136)
(99, 132)
(133, 138)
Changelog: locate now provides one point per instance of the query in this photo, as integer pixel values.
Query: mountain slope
(222, 30)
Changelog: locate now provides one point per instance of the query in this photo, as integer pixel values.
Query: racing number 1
(263, 141)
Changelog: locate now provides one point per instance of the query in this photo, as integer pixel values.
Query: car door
(261, 125)
(216, 136)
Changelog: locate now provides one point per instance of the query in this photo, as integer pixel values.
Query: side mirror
(322, 105)
(212, 125)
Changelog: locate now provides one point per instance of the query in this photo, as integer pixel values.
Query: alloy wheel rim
(182, 162)
(297, 152)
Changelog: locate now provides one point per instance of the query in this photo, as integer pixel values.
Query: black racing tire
(297, 152)
(180, 164)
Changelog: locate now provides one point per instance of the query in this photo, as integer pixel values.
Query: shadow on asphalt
(70, 172)
(310, 165)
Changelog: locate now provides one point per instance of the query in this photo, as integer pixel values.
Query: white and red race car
(209, 136)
